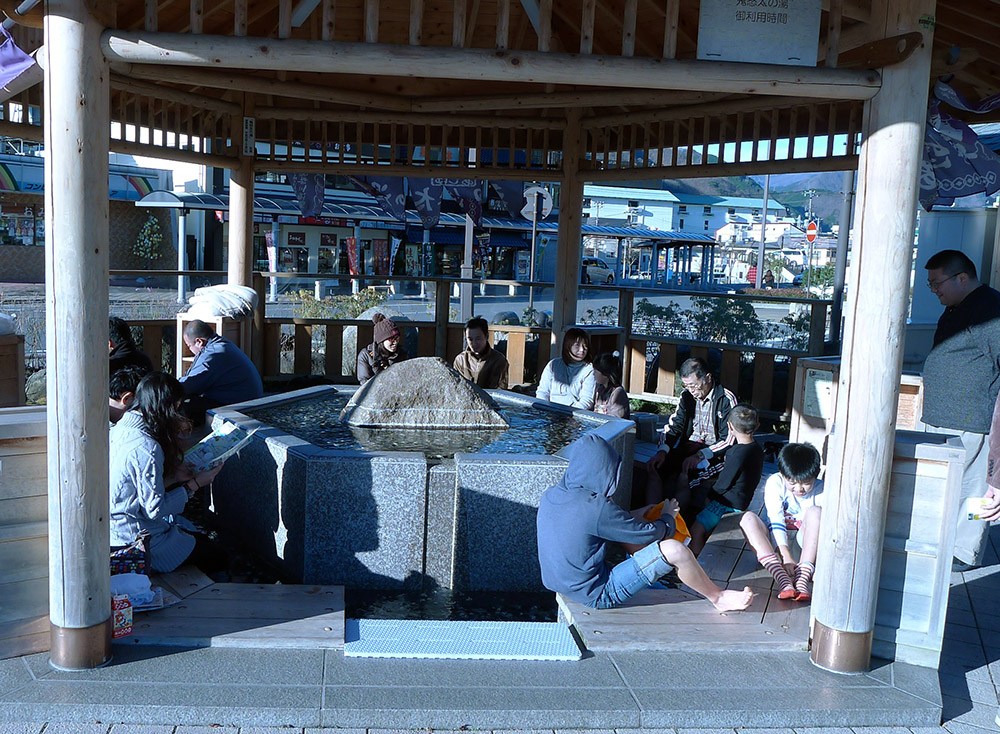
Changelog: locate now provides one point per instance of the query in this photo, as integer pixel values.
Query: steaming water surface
(532, 430)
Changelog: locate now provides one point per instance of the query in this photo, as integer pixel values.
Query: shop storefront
(495, 253)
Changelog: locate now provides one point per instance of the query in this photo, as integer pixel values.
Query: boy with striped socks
(792, 501)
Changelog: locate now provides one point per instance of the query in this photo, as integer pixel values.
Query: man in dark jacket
(696, 437)
(122, 351)
(221, 374)
(576, 521)
(961, 380)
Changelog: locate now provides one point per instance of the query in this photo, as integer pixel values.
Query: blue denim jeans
(632, 576)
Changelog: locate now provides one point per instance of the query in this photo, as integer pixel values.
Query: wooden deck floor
(679, 619)
(287, 616)
(242, 615)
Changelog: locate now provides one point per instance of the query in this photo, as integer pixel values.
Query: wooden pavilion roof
(517, 120)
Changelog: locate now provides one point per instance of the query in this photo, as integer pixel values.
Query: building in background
(22, 213)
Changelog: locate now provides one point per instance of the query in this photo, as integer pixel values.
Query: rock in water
(422, 393)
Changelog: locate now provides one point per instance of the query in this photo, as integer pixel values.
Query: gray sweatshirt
(576, 519)
(962, 372)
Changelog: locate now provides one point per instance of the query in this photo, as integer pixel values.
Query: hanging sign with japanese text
(760, 31)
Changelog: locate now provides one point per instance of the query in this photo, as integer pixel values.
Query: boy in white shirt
(792, 500)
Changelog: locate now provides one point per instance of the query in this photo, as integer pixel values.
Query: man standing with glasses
(961, 381)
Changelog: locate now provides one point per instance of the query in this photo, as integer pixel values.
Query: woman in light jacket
(146, 458)
(569, 380)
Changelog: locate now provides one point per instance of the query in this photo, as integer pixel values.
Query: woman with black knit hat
(386, 350)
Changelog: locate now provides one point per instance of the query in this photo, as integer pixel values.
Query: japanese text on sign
(760, 31)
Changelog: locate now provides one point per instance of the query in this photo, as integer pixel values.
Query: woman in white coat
(569, 379)
(146, 458)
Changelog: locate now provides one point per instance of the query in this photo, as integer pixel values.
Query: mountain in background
(827, 181)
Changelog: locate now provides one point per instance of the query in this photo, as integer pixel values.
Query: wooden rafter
(452, 63)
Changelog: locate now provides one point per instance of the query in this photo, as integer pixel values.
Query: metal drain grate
(467, 640)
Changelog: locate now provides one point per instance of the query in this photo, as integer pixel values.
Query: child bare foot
(730, 600)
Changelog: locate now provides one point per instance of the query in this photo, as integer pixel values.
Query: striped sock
(803, 575)
(773, 564)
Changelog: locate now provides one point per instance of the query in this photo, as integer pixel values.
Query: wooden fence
(763, 375)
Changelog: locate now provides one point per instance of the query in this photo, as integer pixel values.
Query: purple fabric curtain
(13, 61)
(388, 191)
(426, 194)
(310, 192)
(469, 194)
(955, 162)
(511, 193)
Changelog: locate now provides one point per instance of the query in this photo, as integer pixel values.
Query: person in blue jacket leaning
(221, 374)
(576, 521)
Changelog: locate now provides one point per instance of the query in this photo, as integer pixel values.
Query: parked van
(596, 270)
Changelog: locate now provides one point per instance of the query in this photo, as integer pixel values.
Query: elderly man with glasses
(961, 381)
(694, 440)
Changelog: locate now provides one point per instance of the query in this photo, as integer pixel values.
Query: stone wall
(22, 264)
(26, 263)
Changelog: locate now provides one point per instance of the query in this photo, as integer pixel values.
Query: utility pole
(809, 194)
(763, 233)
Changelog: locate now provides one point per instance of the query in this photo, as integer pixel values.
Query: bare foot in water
(733, 601)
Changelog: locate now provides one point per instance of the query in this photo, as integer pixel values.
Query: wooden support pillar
(442, 308)
(861, 446)
(241, 204)
(626, 307)
(77, 93)
(570, 242)
(257, 332)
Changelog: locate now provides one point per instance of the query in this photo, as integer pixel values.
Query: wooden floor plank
(252, 608)
(719, 561)
(183, 581)
(679, 619)
(748, 571)
(314, 633)
(673, 619)
(273, 592)
(247, 615)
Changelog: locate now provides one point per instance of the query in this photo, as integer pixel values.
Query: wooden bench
(242, 615)
(679, 619)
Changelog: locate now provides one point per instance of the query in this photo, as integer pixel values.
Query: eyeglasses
(700, 385)
(935, 284)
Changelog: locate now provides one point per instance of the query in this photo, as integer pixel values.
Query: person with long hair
(569, 379)
(610, 397)
(147, 457)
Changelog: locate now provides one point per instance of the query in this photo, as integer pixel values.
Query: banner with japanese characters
(760, 31)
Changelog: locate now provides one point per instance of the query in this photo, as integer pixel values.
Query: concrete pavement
(239, 690)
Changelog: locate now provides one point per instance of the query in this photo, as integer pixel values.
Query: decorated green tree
(147, 244)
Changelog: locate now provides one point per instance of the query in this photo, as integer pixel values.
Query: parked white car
(596, 270)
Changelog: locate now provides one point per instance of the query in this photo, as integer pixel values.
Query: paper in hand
(216, 447)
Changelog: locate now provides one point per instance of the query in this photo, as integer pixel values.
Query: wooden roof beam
(333, 57)
(403, 169)
(262, 85)
(853, 9)
(711, 170)
(310, 114)
(170, 94)
(674, 112)
(541, 100)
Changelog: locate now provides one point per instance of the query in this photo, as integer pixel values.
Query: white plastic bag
(6, 324)
(133, 585)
